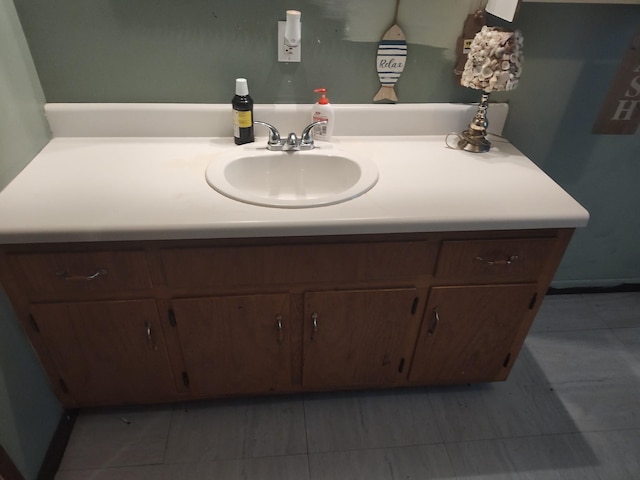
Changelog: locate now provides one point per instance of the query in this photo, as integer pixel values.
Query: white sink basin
(299, 179)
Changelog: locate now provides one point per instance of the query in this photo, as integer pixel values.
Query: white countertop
(146, 188)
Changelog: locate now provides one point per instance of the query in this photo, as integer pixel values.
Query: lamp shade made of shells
(494, 64)
(494, 60)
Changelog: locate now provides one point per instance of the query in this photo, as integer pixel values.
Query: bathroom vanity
(137, 282)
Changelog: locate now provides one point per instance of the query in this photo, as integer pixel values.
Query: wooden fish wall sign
(390, 60)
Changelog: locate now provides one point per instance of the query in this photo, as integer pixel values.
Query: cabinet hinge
(63, 386)
(185, 379)
(532, 303)
(505, 364)
(414, 306)
(33, 323)
(172, 318)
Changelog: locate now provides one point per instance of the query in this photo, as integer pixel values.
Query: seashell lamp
(494, 64)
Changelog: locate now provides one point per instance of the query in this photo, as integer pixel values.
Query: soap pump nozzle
(323, 100)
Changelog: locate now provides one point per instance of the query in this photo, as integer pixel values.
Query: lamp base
(474, 139)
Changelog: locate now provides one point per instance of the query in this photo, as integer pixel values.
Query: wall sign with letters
(620, 112)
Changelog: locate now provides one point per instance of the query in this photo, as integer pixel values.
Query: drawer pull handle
(314, 323)
(279, 327)
(101, 272)
(508, 261)
(435, 322)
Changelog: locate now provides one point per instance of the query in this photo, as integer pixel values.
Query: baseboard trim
(52, 459)
(623, 288)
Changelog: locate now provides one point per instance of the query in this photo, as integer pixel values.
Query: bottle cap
(242, 88)
(323, 100)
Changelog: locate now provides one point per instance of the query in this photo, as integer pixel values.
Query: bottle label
(320, 130)
(242, 119)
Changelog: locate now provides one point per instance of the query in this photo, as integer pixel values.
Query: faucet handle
(306, 141)
(274, 135)
(292, 141)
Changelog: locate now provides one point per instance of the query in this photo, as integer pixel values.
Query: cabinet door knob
(314, 326)
(434, 322)
(280, 328)
(150, 341)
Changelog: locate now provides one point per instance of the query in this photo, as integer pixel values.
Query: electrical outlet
(286, 53)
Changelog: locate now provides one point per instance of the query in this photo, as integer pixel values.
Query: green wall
(572, 54)
(191, 50)
(29, 413)
(23, 128)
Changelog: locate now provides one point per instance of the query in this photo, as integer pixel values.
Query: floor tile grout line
(598, 313)
(610, 430)
(450, 460)
(113, 467)
(306, 428)
(169, 429)
(306, 434)
(542, 435)
(433, 409)
(235, 459)
(168, 465)
(373, 449)
(564, 330)
(485, 439)
(624, 327)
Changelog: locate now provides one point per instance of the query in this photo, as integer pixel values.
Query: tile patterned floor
(570, 410)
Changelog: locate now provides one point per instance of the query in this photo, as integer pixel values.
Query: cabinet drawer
(79, 275)
(296, 264)
(494, 260)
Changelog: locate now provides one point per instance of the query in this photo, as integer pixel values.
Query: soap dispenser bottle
(322, 110)
(242, 105)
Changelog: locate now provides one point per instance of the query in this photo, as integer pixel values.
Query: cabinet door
(107, 352)
(235, 344)
(467, 333)
(356, 338)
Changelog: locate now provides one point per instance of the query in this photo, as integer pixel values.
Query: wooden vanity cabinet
(141, 322)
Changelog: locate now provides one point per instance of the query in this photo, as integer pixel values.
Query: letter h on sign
(620, 112)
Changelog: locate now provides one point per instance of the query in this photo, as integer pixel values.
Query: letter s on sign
(635, 85)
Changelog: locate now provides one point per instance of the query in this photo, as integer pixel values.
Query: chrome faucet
(293, 143)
